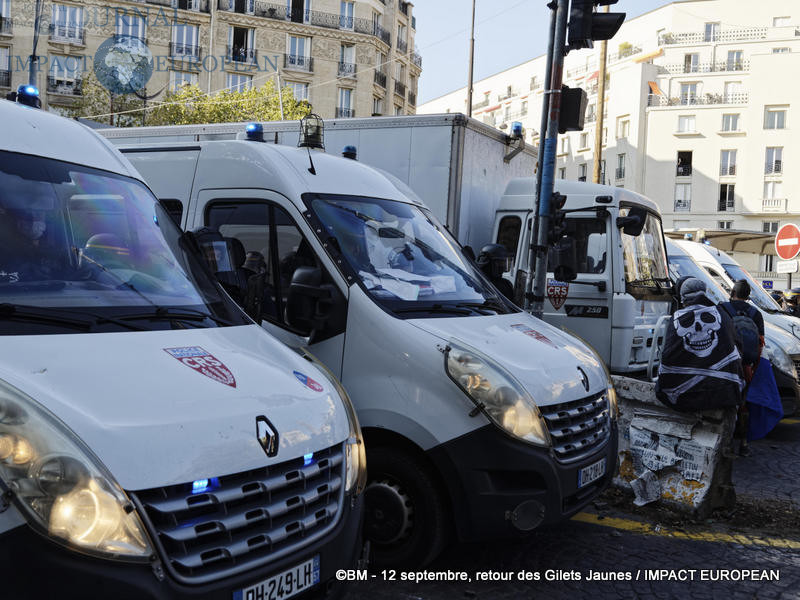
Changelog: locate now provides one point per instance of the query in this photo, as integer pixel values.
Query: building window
(686, 124)
(623, 127)
(177, 79)
(691, 63)
(377, 107)
(238, 82)
(620, 173)
(774, 117)
(711, 32)
(781, 21)
(523, 110)
(299, 89)
(131, 25)
(582, 172)
(688, 93)
(769, 262)
(241, 44)
(605, 136)
(347, 60)
(733, 91)
(398, 110)
(346, 14)
(774, 161)
(684, 164)
(727, 163)
(562, 173)
(724, 225)
(564, 145)
(730, 122)
(773, 190)
(781, 50)
(770, 226)
(344, 107)
(683, 196)
(726, 197)
(65, 74)
(584, 141)
(67, 22)
(299, 52)
(735, 62)
(185, 40)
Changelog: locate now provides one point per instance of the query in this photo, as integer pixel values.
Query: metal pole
(548, 73)
(471, 61)
(33, 66)
(549, 162)
(601, 106)
(280, 92)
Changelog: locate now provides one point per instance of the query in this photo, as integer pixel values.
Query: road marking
(700, 536)
(790, 421)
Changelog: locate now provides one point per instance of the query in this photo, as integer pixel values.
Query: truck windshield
(405, 260)
(644, 257)
(87, 250)
(683, 266)
(758, 295)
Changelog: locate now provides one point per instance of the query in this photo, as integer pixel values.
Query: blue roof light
(308, 459)
(516, 129)
(29, 96)
(254, 132)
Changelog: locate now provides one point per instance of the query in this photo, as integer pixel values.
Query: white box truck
(154, 441)
(477, 416)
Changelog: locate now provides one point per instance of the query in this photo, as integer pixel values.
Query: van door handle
(600, 285)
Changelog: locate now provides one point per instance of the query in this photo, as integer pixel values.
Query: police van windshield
(684, 266)
(405, 260)
(86, 250)
(758, 295)
(645, 258)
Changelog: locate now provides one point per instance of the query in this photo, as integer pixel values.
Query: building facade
(347, 58)
(700, 99)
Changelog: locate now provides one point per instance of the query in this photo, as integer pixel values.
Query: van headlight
(778, 357)
(63, 490)
(355, 452)
(496, 393)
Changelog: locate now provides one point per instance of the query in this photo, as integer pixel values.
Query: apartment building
(700, 99)
(347, 58)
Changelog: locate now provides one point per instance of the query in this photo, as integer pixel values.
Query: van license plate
(284, 585)
(591, 473)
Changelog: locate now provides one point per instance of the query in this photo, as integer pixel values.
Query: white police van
(477, 416)
(154, 441)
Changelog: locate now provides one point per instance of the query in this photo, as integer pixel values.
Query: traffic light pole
(548, 73)
(548, 159)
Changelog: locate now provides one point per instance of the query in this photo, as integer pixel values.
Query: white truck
(154, 441)
(477, 416)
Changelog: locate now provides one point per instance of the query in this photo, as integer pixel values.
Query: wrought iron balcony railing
(298, 63)
(64, 87)
(346, 69)
(380, 78)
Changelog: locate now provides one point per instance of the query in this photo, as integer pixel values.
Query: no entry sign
(787, 241)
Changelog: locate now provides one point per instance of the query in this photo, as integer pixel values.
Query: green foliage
(189, 105)
(97, 103)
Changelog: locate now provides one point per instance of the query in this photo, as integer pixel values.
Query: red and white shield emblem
(557, 292)
(203, 362)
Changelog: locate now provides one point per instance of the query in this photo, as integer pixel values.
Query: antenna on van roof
(311, 136)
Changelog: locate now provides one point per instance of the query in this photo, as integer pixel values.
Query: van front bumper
(501, 487)
(789, 391)
(32, 567)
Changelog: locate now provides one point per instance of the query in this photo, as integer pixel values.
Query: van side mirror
(633, 223)
(468, 252)
(564, 259)
(312, 304)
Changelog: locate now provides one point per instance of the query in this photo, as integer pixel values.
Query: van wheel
(405, 520)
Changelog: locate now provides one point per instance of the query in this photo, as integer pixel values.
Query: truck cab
(622, 285)
(478, 418)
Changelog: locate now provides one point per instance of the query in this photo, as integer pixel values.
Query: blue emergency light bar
(254, 132)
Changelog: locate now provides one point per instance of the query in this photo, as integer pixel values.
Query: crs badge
(267, 436)
(557, 292)
(203, 362)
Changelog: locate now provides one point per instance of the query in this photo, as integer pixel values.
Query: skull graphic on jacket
(698, 326)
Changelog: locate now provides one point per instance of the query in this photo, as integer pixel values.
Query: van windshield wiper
(437, 308)
(488, 304)
(65, 317)
(179, 314)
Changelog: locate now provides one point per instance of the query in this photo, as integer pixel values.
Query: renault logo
(267, 436)
(584, 379)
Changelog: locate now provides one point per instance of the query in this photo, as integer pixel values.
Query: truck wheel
(405, 520)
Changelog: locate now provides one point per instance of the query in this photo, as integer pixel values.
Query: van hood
(547, 361)
(165, 407)
(787, 323)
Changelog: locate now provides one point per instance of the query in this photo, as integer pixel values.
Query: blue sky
(507, 32)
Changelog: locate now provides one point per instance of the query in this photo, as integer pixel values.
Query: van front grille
(578, 427)
(235, 522)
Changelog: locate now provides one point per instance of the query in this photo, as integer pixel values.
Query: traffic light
(586, 25)
(573, 109)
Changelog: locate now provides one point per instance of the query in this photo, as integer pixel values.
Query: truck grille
(246, 519)
(796, 361)
(577, 427)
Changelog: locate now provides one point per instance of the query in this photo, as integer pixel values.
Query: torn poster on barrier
(695, 459)
(646, 488)
(678, 426)
(651, 451)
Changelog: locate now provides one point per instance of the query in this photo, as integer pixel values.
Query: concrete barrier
(682, 460)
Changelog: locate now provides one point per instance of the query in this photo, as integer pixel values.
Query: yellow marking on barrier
(700, 536)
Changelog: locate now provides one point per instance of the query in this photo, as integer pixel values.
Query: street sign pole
(549, 159)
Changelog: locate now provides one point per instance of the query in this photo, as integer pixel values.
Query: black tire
(403, 539)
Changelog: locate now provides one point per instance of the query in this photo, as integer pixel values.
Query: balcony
(298, 63)
(412, 98)
(241, 55)
(402, 46)
(403, 6)
(380, 79)
(657, 100)
(5, 78)
(727, 170)
(193, 5)
(345, 113)
(180, 50)
(64, 87)
(590, 118)
(346, 69)
(624, 53)
(67, 34)
(721, 35)
(416, 59)
(577, 71)
(773, 205)
(400, 89)
(683, 205)
(6, 26)
(725, 66)
(773, 168)
(683, 170)
(244, 7)
(620, 173)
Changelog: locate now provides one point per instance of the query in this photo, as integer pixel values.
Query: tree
(97, 103)
(189, 105)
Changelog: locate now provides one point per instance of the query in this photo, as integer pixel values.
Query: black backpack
(747, 337)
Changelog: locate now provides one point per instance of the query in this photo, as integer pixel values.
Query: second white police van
(477, 416)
